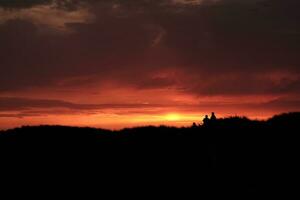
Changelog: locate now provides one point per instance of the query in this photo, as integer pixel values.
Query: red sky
(116, 64)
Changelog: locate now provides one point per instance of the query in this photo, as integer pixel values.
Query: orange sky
(116, 108)
(116, 64)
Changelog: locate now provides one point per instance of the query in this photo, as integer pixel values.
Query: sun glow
(173, 117)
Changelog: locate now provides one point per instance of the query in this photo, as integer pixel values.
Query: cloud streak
(16, 104)
(48, 16)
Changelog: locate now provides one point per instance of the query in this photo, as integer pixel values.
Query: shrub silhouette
(234, 155)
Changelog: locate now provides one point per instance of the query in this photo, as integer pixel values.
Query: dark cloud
(18, 4)
(25, 104)
(16, 104)
(25, 4)
(283, 103)
(221, 47)
(239, 83)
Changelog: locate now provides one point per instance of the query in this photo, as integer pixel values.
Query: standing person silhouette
(213, 117)
(206, 120)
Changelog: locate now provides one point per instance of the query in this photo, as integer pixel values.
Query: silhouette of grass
(233, 155)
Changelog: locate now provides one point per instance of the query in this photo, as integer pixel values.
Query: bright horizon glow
(172, 110)
(115, 121)
(173, 117)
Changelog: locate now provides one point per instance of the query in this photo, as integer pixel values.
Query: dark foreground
(233, 156)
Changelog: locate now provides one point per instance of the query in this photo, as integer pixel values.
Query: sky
(125, 63)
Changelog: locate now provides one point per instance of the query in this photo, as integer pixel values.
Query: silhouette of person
(206, 120)
(213, 117)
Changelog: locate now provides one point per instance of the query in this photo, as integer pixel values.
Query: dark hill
(235, 156)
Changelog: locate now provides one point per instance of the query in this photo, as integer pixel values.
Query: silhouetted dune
(230, 156)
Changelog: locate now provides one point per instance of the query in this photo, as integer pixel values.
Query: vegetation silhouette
(232, 155)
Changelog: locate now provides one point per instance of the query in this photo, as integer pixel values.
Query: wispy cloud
(48, 16)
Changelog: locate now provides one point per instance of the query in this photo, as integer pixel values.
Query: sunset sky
(125, 63)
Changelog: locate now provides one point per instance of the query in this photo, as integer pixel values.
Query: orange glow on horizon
(173, 117)
(122, 107)
(114, 121)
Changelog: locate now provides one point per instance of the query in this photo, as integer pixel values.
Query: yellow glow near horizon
(113, 121)
(173, 117)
